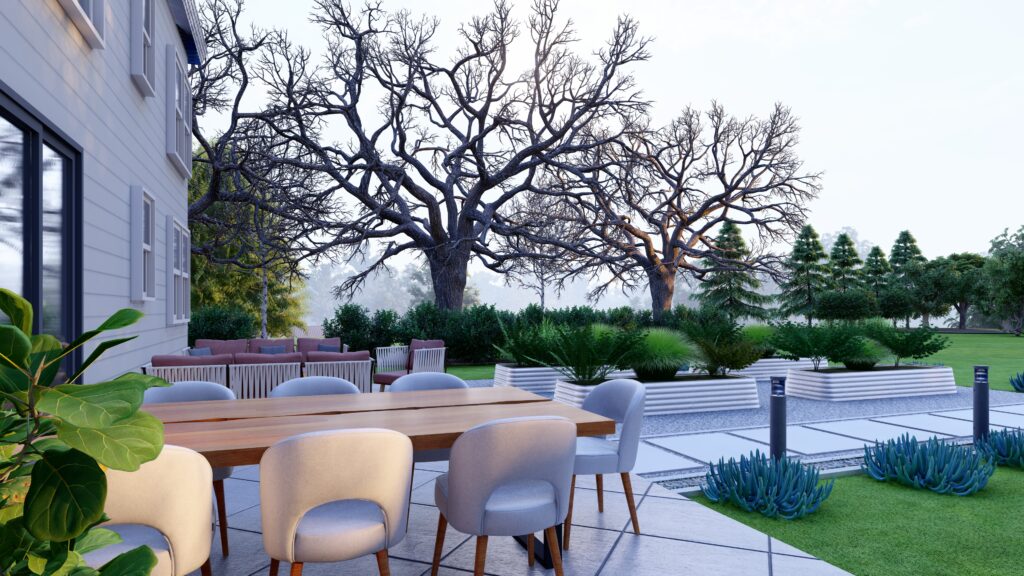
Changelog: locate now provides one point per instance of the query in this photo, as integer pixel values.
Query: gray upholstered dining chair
(622, 401)
(198, 391)
(314, 510)
(313, 386)
(507, 477)
(428, 381)
(165, 505)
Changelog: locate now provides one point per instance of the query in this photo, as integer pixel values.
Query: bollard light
(981, 427)
(777, 423)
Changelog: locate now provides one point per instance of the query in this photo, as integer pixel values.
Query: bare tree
(651, 200)
(429, 164)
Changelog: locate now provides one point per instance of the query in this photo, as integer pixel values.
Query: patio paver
(866, 430)
(709, 447)
(925, 423)
(994, 417)
(805, 440)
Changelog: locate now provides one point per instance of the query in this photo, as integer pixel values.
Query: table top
(430, 425)
(213, 410)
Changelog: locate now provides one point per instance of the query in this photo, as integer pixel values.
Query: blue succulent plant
(773, 487)
(1017, 381)
(1004, 448)
(933, 465)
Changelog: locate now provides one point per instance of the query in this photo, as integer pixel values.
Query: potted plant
(526, 352)
(586, 355)
(770, 363)
(55, 438)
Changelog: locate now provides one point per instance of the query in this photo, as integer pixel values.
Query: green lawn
(473, 371)
(1003, 353)
(871, 528)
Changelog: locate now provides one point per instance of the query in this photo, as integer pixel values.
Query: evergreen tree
(843, 263)
(907, 268)
(734, 292)
(807, 275)
(876, 271)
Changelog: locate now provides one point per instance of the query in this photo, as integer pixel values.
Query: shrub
(384, 328)
(719, 344)
(784, 488)
(351, 323)
(870, 354)
(848, 305)
(917, 343)
(1017, 381)
(528, 345)
(586, 354)
(834, 342)
(761, 335)
(936, 466)
(659, 355)
(1004, 447)
(220, 323)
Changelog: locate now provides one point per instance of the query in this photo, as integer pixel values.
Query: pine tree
(843, 263)
(876, 271)
(906, 256)
(808, 275)
(734, 292)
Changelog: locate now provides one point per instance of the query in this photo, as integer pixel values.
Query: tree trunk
(663, 287)
(925, 320)
(962, 311)
(448, 271)
(263, 303)
(543, 290)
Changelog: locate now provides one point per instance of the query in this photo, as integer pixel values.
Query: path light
(777, 425)
(981, 427)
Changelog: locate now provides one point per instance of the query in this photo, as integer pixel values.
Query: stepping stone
(806, 440)
(998, 418)
(927, 425)
(654, 459)
(867, 430)
(1013, 408)
(709, 447)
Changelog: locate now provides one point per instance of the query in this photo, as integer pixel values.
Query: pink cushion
(256, 343)
(223, 346)
(180, 360)
(315, 356)
(388, 377)
(250, 358)
(420, 345)
(313, 344)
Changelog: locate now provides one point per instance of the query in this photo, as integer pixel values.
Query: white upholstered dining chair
(313, 386)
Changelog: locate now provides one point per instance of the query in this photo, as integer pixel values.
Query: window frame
(143, 48)
(90, 20)
(179, 113)
(143, 273)
(179, 272)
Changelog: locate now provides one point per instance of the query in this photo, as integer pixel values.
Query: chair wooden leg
(296, 569)
(600, 493)
(529, 550)
(551, 537)
(274, 565)
(567, 525)
(481, 556)
(382, 563)
(382, 387)
(628, 486)
(442, 526)
(222, 515)
(205, 569)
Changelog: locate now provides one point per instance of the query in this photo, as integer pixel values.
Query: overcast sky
(914, 110)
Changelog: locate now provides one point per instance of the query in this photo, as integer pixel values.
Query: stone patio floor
(678, 536)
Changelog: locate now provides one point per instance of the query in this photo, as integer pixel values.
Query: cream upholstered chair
(317, 511)
(418, 381)
(313, 386)
(197, 391)
(508, 477)
(165, 505)
(622, 401)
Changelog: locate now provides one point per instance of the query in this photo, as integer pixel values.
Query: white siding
(90, 96)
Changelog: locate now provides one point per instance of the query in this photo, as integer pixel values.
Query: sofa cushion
(316, 356)
(420, 345)
(388, 377)
(253, 358)
(223, 346)
(313, 344)
(200, 352)
(181, 360)
(256, 344)
(321, 347)
(279, 349)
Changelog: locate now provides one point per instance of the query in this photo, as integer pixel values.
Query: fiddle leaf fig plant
(56, 438)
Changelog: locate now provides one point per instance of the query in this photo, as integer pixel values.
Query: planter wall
(679, 397)
(536, 380)
(840, 386)
(765, 368)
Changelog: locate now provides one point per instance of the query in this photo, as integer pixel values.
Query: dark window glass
(12, 206)
(55, 181)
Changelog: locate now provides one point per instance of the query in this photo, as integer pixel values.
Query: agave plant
(1017, 381)
(773, 487)
(1004, 447)
(934, 465)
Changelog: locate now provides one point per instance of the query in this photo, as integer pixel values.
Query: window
(142, 51)
(179, 252)
(88, 18)
(179, 114)
(143, 234)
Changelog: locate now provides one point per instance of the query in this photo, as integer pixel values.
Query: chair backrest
(302, 472)
(623, 401)
(505, 451)
(428, 360)
(313, 386)
(428, 381)
(171, 494)
(188, 391)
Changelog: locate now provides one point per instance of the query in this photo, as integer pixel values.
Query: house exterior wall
(88, 94)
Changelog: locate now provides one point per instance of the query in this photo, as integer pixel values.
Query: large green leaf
(144, 380)
(66, 496)
(44, 349)
(17, 309)
(14, 347)
(95, 539)
(16, 543)
(120, 319)
(123, 445)
(135, 562)
(92, 405)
